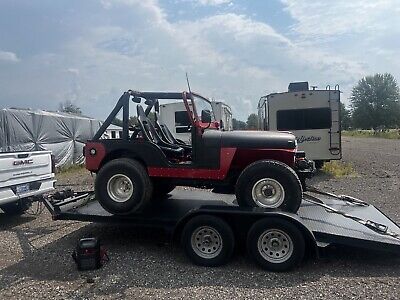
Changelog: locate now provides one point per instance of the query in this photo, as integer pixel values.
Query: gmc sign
(23, 162)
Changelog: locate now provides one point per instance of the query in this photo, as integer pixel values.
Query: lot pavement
(35, 260)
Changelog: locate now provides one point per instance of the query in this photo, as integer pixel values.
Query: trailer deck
(379, 232)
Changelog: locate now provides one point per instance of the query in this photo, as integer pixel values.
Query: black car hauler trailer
(209, 225)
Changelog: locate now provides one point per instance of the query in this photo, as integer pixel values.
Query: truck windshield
(202, 104)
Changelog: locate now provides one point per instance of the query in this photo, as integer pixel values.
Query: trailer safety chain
(346, 198)
(35, 211)
(374, 226)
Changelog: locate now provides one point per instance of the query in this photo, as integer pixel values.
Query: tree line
(374, 104)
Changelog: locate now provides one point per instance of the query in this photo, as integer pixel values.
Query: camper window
(303, 119)
(182, 121)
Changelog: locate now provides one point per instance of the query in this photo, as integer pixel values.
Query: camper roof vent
(298, 86)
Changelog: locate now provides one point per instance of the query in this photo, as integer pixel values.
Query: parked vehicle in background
(313, 116)
(174, 116)
(113, 132)
(23, 177)
(223, 115)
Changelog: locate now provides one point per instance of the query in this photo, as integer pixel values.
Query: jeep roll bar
(151, 98)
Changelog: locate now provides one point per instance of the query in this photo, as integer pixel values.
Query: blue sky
(90, 51)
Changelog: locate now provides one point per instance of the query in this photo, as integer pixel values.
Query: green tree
(375, 102)
(345, 117)
(117, 122)
(133, 121)
(252, 122)
(238, 125)
(68, 107)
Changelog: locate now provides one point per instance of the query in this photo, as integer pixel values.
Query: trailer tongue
(323, 219)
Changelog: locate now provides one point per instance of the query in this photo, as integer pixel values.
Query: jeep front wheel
(123, 186)
(269, 184)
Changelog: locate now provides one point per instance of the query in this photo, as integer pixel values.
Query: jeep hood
(249, 139)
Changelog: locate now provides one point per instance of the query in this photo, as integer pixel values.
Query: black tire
(289, 244)
(279, 175)
(220, 240)
(16, 208)
(131, 173)
(162, 187)
(319, 164)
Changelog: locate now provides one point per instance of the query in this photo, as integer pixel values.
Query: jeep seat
(151, 135)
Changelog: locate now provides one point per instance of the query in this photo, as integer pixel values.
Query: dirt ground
(35, 252)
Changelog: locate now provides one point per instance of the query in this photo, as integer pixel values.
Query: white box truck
(313, 116)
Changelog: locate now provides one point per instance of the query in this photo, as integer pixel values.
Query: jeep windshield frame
(198, 103)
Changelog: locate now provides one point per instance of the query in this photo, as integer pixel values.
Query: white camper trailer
(312, 115)
(175, 117)
(223, 115)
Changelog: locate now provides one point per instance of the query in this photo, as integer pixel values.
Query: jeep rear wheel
(123, 186)
(269, 184)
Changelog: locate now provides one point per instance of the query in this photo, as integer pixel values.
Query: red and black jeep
(147, 162)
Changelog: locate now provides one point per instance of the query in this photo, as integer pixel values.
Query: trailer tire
(123, 186)
(269, 184)
(15, 208)
(162, 187)
(275, 244)
(208, 241)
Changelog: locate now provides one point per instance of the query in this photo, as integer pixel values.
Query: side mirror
(205, 116)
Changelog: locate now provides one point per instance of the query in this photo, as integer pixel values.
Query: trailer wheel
(269, 184)
(123, 186)
(16, 208)
(276, 244)
(162, 187)
(208, 241)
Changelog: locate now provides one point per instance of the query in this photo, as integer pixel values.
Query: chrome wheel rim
(120, 188)
(206, 242)
(275, 246)
(268, 193)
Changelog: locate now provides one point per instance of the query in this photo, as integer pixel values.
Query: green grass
(70, 169)
(389, 134)
(338, 168)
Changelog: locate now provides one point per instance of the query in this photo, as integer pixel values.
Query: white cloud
(358, 38)
(7, 56)
(213, 2)
(319, 17)
(132, 44)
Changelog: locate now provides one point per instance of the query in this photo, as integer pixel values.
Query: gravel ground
(35, 260)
